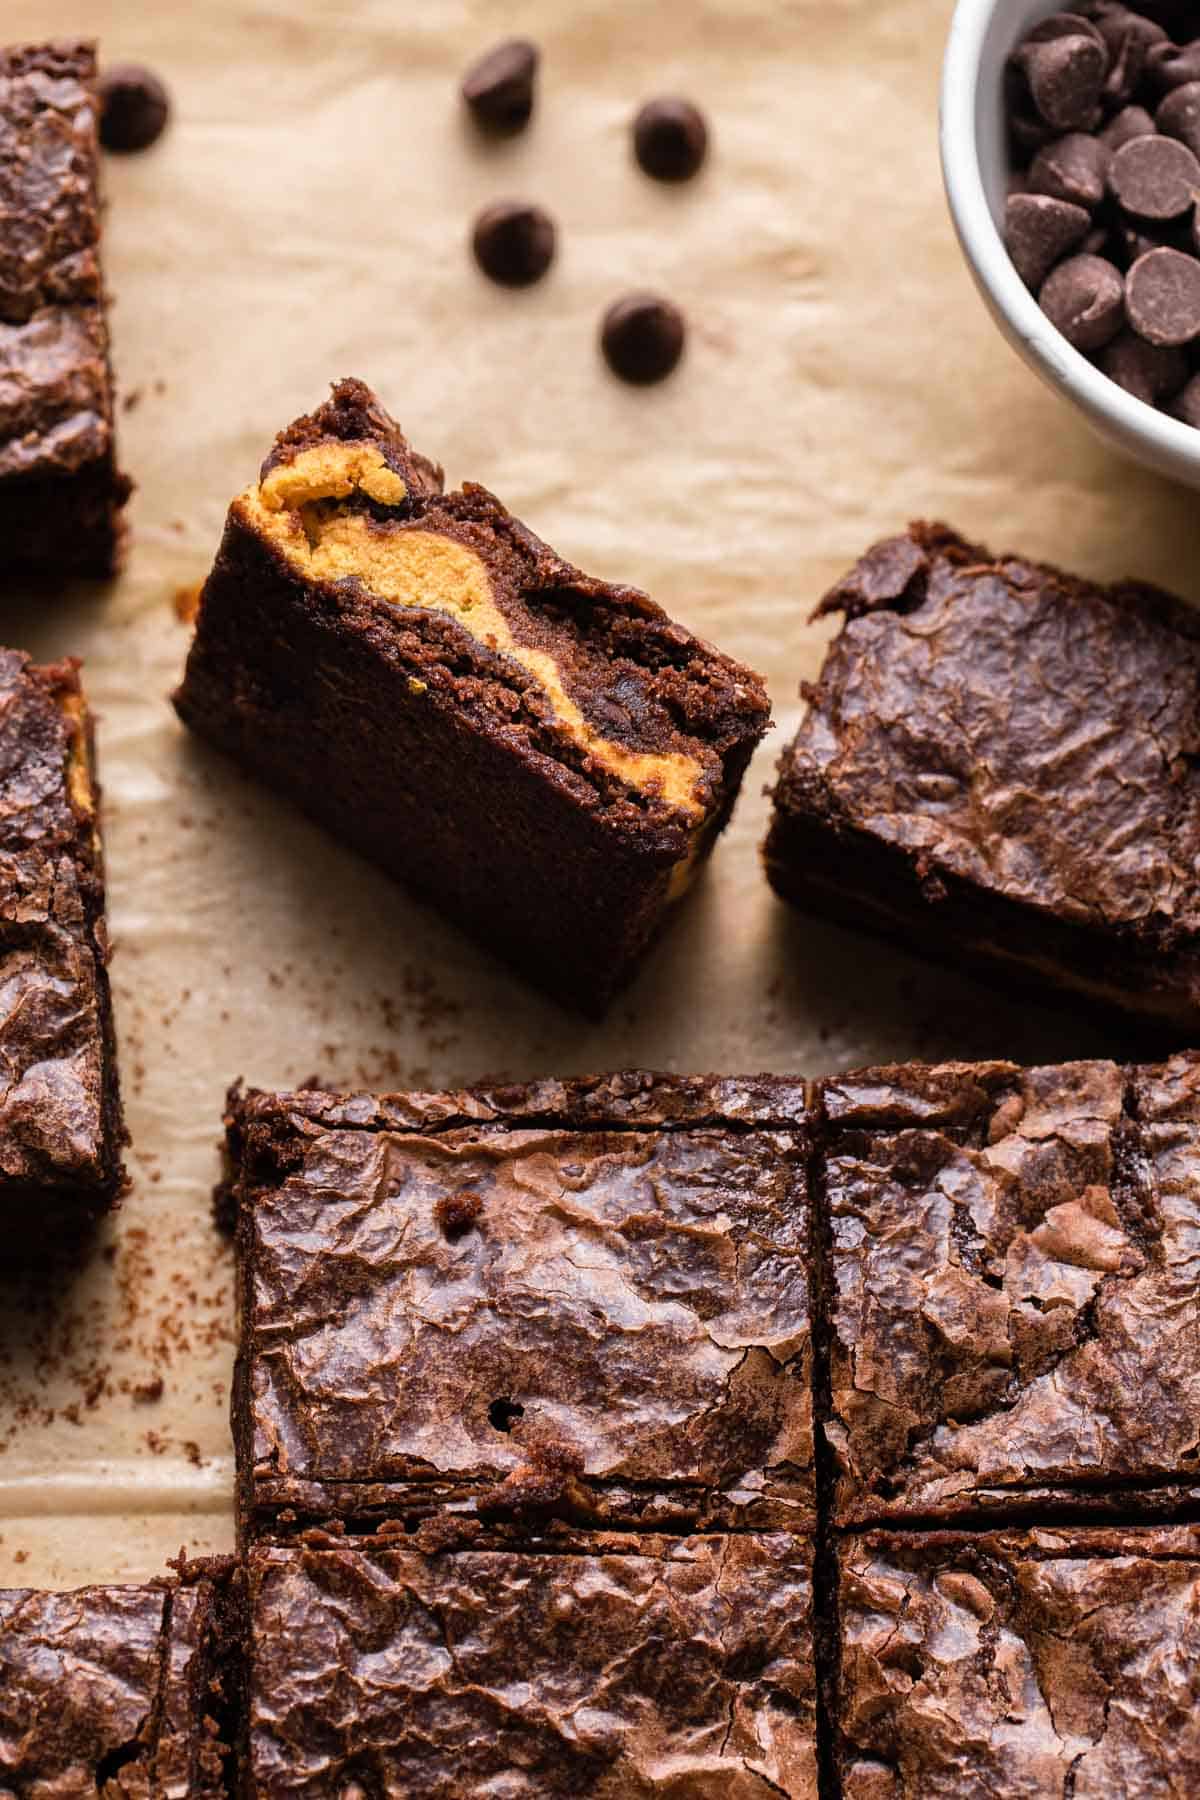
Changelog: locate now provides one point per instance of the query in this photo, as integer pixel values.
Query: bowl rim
(1169, 442)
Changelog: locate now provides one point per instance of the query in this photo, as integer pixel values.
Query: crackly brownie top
(475, 1304)
(598, 676)
(52, 1052)
(48, 160)
(679, 1668)
(1006, 724)
(1061, 1662)
(1015, 1309)
(78, 1679)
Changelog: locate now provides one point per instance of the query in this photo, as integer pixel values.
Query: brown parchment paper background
(306, 217)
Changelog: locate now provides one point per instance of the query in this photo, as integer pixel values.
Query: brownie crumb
(147, 1392)
(456, 1213)
(547, 1480)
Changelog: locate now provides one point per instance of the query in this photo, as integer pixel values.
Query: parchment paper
(306, 217)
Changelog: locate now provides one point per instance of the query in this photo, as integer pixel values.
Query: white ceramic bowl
(975, 167)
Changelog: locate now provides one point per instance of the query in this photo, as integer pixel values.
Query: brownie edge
(543, 756)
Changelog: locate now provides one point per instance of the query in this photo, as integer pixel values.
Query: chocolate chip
(1039, 231)
(499, 88)
(1150, 372)
(1162, 297)
(1066, 77)
(514, 243)
(134, 106)
(1179, 116)
(1186, 404)
(670, 139)
(1084, 299)
(642, 337)
(1074, 168)
(1156, 178)
(1171, 66)
(1063, 25)
(1131, 122)
(1129, 39)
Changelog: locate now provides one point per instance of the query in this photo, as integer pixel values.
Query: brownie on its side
(1014, 1310)
(60, 489)
(582, 1302)
(543, 756)
(999, 768)
(60, 1116)
(110, 1690)
(1047, 1662)
(657, 1666)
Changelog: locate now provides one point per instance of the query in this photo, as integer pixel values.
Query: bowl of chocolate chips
(1071, 156)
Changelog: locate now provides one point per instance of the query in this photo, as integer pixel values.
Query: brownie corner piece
(61, 490)
(1047, 1661)
(653, 1665)
(545, 1314)
(544, 756)
(1013, 1326)
(61, 1128)
(997, 768)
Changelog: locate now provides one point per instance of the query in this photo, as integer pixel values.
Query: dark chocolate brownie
(1042, 1663)
(60, 1117)
(60, 489)
(659, 1667)
(1014, 1312)
(590, 1302)
(999, 768)
(543, 756)
(109, 1690)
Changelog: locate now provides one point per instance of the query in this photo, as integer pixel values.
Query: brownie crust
(677, 1667)
(1013, 1319)
(998, 768)
(60, 489)
(596, 1319)
(545, 757)
(1047, 1662)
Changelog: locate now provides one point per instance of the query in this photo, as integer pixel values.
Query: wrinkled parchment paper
(306, 217)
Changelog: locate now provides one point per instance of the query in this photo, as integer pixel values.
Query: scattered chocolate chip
(1074, 168)
(1172, 65)
(1186, 404)
(514, 243)
(499, 88)
(1039, 231)
(1084, 298)
(1179, 116)
(670, 139)
(1156, 178)
(1162, 297)
(134, 106)
(1066, 77)
(642, 337)
(1131, 122)
(1147, 371)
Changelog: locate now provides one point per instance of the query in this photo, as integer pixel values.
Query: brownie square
(544, 757)
(662, 1666)
(1014, 1313)
(60, 489)
(559, 1310)
(1045, 1662)
(60, 1117)
(110, 1690)
(998, 768)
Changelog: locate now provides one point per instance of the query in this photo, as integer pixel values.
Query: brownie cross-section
(583, 1315)
(649, 1666)
(1014, 1320)
(544, 756)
